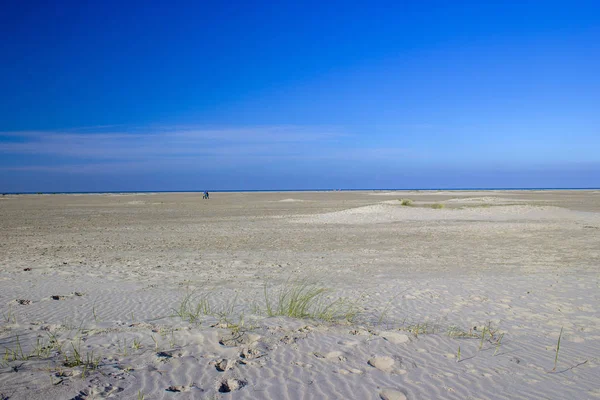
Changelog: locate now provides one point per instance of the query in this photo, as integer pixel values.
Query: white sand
(419, 278)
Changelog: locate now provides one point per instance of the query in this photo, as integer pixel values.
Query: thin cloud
(157, 141)
(115, 149)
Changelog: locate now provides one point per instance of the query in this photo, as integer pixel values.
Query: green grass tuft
(302, 299)
(192, 308)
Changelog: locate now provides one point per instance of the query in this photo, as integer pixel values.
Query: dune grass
(9, 316)
(303, 299)
(421, 328)
(77, 358)
(300, 299)
(406, 202)
(557, 349)
(54, 349)
(437, 206)
(193, 307)
(456, 332)
(16, 353)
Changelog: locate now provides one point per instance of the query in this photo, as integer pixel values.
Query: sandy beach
(459, 295)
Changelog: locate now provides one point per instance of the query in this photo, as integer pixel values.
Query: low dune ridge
(393, 211)
(484, 200)
(192, 300)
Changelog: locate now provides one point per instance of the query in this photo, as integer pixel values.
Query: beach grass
(303, 299)
(191, 307)
(557, 349)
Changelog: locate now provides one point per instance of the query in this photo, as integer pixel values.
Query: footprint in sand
(164, 356)
(101, 392)
(178, 388)
(224, 364)
(249, 353)
(385, 364)
(392, 394)
(230, 385)
(335, 356)
(349, 371)
(301, 364)
(395, 337)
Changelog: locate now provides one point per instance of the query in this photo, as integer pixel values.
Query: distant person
(205, 195)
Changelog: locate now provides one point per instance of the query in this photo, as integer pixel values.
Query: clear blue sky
(100, 96)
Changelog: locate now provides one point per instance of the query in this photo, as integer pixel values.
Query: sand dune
(484, 200)
(393, 212)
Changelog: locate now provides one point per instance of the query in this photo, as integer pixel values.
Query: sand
(104, 276)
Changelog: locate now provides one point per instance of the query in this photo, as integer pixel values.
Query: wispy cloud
(150, 142)
(114, 148)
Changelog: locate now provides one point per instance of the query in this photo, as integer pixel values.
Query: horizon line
(297, 190)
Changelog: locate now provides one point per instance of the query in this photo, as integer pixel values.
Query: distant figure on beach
(205, 195)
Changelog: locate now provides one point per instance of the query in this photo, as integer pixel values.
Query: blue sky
(103, 96)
